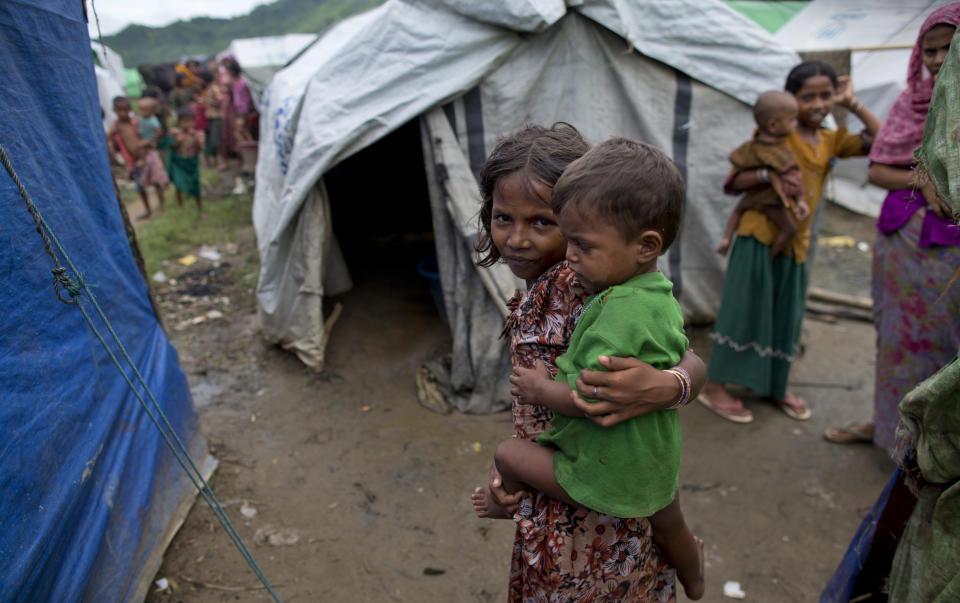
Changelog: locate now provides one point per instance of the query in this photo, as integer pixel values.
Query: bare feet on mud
(487, 506)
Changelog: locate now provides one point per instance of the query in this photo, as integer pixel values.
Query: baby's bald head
(773, 110)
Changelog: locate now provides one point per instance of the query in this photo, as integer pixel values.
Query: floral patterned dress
(565, 553)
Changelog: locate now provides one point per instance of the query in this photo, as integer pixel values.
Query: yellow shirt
(814, 165)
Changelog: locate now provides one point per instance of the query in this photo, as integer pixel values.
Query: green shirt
(630, 469)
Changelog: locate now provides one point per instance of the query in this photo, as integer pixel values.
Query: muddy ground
(360, 494)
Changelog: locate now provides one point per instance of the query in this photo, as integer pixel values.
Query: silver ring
(594, 391)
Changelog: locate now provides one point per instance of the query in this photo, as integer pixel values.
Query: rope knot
(62, 279)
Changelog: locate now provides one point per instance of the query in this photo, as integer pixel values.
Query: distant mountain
(138, 44)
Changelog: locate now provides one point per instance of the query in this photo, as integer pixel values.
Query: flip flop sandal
(792, 412)
(846, 435)
(740, 415)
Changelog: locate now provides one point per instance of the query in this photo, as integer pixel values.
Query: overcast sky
(117, 14)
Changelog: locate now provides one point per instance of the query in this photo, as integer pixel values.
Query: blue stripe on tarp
(451, 112)
(473, 115)
(89, 487)
(681, 136)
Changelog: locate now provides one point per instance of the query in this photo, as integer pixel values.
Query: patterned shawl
(902, 131)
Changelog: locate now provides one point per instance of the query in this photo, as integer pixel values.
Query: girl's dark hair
(806, 70)
(206, 76)
(541, 154)
(234, 68)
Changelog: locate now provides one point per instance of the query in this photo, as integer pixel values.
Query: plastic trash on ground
(209, 253)
(732, 590)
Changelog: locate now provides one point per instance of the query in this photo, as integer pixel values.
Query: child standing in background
(758, 327)
(152, 171)
(182, 94)
(184, 165)
(780, 196)
(123, 139)
(212, 99)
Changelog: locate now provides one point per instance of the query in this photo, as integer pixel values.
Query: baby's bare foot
(694, 588)
(486, 505)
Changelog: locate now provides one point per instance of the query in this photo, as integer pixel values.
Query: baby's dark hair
(152, 92)
(185, 113)
(206, 76)
(631, 185)
(541, 154)
(806, 70)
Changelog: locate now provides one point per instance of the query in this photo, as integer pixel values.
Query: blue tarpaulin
(90, 492)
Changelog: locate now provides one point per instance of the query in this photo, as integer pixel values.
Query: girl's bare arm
(631, 388)
(890, 177)
(746, 179)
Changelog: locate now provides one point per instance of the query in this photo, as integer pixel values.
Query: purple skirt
(917, 331)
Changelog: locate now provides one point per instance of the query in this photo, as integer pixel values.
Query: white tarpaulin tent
(260, 58)
(879, 34)
(679, 75)
(111, 81)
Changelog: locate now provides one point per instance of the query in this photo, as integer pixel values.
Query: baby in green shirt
(619, 207)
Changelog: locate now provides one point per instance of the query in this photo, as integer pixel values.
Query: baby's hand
(525, 383)
(792, 182)
(803, 210)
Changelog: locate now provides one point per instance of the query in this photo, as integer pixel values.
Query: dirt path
(366, 494)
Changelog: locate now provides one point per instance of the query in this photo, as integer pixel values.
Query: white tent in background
(879, 34)
(111, 81)
(260, 58)
(679, 75)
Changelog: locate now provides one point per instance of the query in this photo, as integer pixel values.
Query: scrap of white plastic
(733, 590)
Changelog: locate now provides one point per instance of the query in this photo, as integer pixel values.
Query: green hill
(138, 44)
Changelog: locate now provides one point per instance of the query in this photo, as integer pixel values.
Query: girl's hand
(524, 382)
(628, 388)
(844, 94)
(503, 498)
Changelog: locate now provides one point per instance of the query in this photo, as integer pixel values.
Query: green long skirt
(758, 326)
(184, 172)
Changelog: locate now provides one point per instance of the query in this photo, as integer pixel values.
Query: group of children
(210, 112)
(221, 104)
(608, 217)
(595, 228)
(137, 142)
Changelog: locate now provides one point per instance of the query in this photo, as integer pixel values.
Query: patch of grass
(178, 231)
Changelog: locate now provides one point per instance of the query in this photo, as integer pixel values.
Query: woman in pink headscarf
(916, 251)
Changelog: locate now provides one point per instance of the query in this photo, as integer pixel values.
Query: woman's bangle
(763, 175)
(855, 106)
(686, 387)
